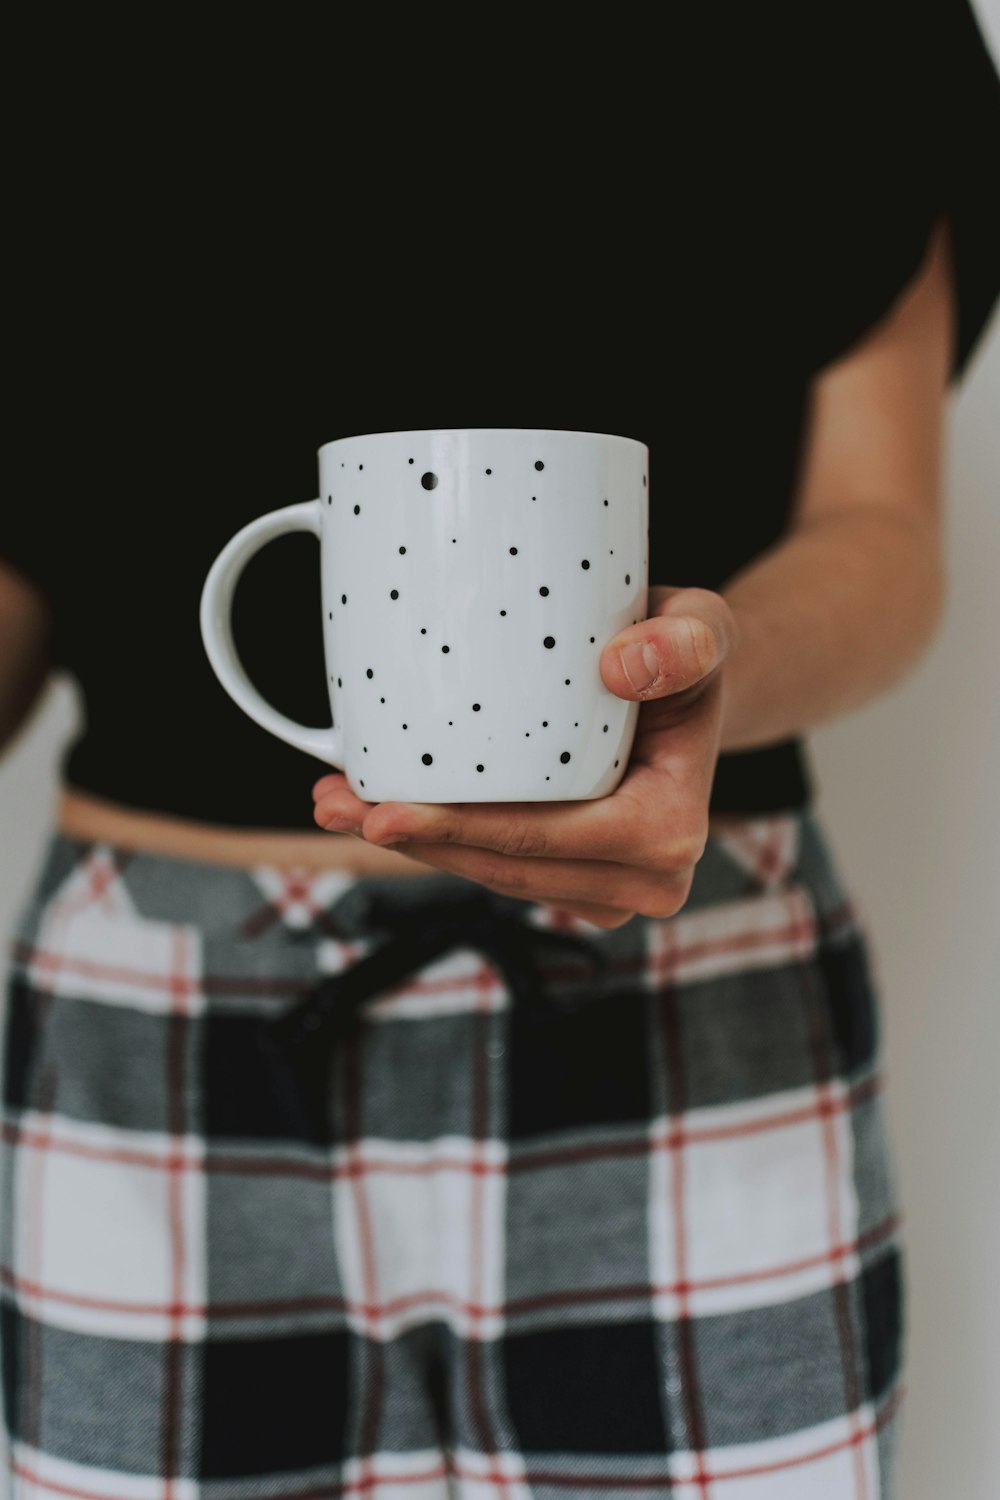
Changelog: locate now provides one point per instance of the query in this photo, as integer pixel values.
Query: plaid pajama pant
(536, 1209)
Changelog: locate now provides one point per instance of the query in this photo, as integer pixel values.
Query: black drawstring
(306, 1035)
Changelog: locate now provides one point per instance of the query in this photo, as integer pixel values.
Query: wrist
(736, 730)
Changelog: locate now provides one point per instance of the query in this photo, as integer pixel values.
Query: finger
(558, 882)
(688, 636)
(443, 858)
(328, 783)
(612, 828)
(678, 751)
(600, 916)
(631, 827)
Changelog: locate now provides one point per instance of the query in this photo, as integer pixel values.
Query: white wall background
(908, 793)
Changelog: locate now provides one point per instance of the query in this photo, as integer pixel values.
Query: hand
(607, 860)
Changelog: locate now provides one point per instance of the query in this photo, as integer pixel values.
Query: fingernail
(341, 825)
(640, 664)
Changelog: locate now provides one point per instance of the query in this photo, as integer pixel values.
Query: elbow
(930, 599)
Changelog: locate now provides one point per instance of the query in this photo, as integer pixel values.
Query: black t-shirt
(232, 251)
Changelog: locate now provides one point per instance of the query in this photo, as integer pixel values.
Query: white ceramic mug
(471, 578)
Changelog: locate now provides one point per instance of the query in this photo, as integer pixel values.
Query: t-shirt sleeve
(922, 145)
(967, 168)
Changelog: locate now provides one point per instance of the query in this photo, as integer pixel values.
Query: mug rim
(614, 437)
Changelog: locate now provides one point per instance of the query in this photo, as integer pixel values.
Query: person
(543, 1154)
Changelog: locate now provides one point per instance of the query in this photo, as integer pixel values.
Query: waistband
(406, 922)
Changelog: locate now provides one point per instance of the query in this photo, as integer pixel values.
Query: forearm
(829, 618)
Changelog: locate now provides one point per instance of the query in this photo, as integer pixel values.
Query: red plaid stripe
(374, 1312)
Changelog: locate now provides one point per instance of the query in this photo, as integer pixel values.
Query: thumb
(688, 636)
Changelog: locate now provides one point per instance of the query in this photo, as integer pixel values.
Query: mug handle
(217, 631)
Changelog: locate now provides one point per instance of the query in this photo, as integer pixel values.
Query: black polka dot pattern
(560, 605)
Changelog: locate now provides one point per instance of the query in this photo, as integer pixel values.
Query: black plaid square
(275, 1404)
(587, 1389)
(587, 1071)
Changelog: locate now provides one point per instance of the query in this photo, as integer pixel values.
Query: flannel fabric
(535, 1211)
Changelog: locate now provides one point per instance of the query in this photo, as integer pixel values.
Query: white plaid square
(415, 1475)
(756, 932)
(111, 1230)
(92, 954)
(752, 1202)
(419, 1229)
(40, 1476)
(495, 1476)
(826, 1462)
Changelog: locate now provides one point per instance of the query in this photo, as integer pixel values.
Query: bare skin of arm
(24, 662)
(848, 601)
(827, 619)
